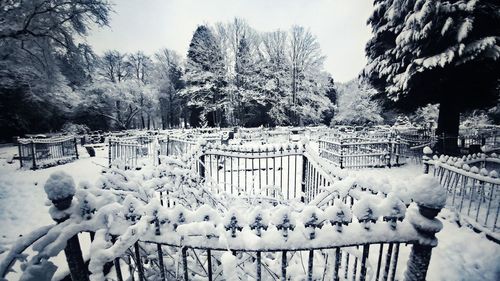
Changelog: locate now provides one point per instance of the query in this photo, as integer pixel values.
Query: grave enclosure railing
(37, 153)
(351, 249)
(355, 152)
(473, 191)
(159, 243)
(129, 151)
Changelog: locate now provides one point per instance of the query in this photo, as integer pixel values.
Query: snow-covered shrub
(425, 115)
(75, 129)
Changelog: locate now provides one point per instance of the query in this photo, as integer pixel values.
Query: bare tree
(304, 54)
(168, 72)
(113, 66)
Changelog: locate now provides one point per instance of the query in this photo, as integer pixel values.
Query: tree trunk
(448, 125)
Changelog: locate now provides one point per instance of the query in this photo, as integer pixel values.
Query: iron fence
(41, 153)
(473, 192)
(354, 152)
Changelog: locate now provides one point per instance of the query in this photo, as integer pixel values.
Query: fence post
(420, 254)
(427, 225)
(76, 148)
(109, 152)
(33, 154)
(168, 144)
(426, 157)
(397, 149)
(202, 164)
(78, 270)
(341, 160)
(19, 147)
(304, 177)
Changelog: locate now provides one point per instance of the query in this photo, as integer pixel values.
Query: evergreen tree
(204, 77)
(429, 51)
(331, 93)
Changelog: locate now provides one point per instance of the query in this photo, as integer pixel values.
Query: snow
(60, 185)
(460, 254)
(23, 202)
(427, 191)
(427, 150)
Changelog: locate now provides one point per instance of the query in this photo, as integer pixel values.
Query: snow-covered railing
(16, 253)
(127, 151)
(355, 152)
(361, 242)
(123, 153)
(489, 138)
(46, 152)
(268, 170)
(177, 145)
(416, 136)
(473, 191)
(290, 171)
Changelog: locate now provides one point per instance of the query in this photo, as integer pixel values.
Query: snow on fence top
(473, 190)
(463, 167)
(124, 204)
(45, 140)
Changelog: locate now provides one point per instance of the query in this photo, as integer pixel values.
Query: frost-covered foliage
(75, 129)
(404, 44)
(439, 52)
(273, 78)
(204, 75)
(355, 105)
(425, 115)
(60, 185)
(475, 119)
(41, 60)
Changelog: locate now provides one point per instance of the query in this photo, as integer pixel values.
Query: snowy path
(460, 255)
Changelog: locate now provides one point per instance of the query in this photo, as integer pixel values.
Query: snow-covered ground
(460, 255)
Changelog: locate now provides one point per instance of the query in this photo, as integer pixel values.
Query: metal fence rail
(362, 153)
(473, 193)
(40, 153)
(123, 153)
(174, 243)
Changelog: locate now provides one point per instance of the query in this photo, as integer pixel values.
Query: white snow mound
(59, 185)
(427, 191)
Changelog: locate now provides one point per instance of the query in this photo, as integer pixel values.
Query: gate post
(168, 144)
(109, 152)
(341, 160)
(76, 148)
(425, 159)
(19, 145)
(33, 154)
(61, 196)
(202, 164)
(304, 176)
(427, 225)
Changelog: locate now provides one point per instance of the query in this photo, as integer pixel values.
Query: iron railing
(41, 153)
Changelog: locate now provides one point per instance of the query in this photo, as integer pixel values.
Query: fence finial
(426, 157)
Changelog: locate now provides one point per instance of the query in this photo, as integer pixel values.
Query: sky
(149, 25)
